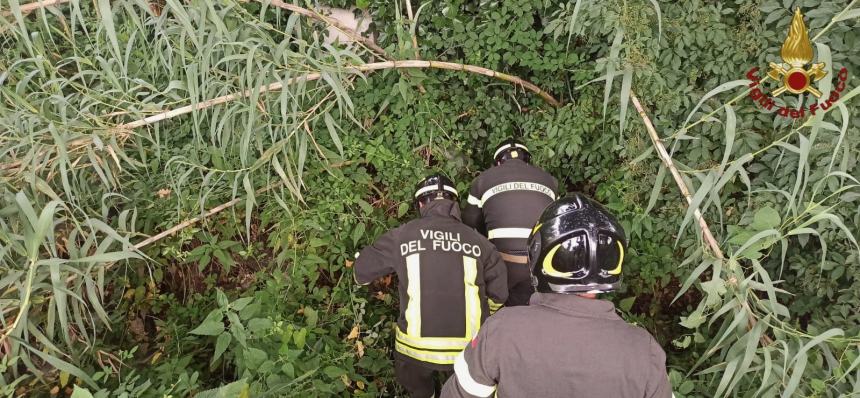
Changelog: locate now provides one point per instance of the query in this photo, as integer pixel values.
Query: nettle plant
(123, 118)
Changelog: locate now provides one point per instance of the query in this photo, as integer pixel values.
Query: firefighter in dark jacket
(566, 343)
(504, 203)
(450, 279)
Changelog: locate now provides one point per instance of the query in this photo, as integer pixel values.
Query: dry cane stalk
(123, 129)
(685, 191)
(407, 64)
(30, 7)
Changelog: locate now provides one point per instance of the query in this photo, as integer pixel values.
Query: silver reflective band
(435, 187)
(513, 187)
(461, 369)
(507, 146)
(474, 201)
(508, 233)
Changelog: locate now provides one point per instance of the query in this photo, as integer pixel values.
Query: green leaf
(766, 218)
(850, 14)
(332, 130)
(365, 207)
(334, 371)
(64, 366)
(611, 71)
(311, 316)
(626, 304)
(209, 328)
(402, 209)
(254, 357)
(106, 15)
(626, 82)
(236, 389)
(357, 233)
(221, 345)
(259, 324)
(719, 89)
(81, 392)
(240, 303)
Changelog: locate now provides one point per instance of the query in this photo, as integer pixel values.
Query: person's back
(566, 343)
(566, 346)
(504, 203)
(450, 279)
(511, 197)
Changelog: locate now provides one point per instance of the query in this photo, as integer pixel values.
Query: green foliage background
(259, 299)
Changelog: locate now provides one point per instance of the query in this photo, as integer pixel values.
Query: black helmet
(576, 247)
(436, 186)
(511, 149)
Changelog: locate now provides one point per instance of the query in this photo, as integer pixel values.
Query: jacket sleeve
(376, 260)
(658, 379)
(476, 369)
(496, 279)
(473, 216)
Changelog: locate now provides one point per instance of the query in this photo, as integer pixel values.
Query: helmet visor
(610, 254)
(568, 259)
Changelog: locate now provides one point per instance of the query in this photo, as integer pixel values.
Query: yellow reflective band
(617, 269)
(465, 379)
(432, 343)
(493, 305)
(441, 358)
(537, 227)
(549, 269)
(473, 298)
(413, 289)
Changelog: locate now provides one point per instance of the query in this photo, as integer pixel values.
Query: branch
(30, 7)
(676, 175)
(685, 191)
(407, 64)
(124, 128)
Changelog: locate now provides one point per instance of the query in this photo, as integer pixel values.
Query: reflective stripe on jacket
(450, 279)
(560, 346)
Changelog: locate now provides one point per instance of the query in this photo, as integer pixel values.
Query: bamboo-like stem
(676, 175)
(194, 220)
(413, 21)
(712, 243)
(30, 7)
(407, 64)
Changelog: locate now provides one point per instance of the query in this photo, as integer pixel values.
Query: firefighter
(504, 203)
(450, 278)
(566, 343)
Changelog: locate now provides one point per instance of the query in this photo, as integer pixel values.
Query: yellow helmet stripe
(537, 227)
(548, 269)
(617, 269)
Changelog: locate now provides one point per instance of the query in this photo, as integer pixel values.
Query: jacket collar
(441, 208)
(514, 162)
(575, 305)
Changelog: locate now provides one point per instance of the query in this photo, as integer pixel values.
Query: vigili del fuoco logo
(794, 76)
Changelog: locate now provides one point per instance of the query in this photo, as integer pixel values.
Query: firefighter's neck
(587, 295)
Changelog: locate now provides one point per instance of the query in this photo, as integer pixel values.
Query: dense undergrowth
(259, 298)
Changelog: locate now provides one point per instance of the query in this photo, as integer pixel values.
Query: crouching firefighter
(504, 202)
(566, 343)
(450, 278)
